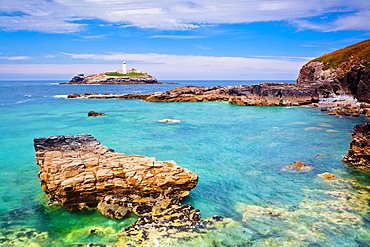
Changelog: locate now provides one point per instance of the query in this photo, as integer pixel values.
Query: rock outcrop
(80, 173)
(265, 94)
(359, 152)
(345, 72)
(113, 78)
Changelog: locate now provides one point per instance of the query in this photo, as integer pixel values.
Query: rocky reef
(177, 222)
(342, 72)
(265, 94)
(80, 173)
(114, 78)
(359, 152)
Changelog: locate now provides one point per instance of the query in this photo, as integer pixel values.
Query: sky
(174, 40)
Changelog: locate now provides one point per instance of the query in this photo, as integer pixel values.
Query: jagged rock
(342, 72)
(94, 114)
(80, 173)
(359, 152)
(178, 222)
(265, 94)
(78, 78)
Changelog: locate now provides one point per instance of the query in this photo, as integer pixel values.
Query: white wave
(60, 96)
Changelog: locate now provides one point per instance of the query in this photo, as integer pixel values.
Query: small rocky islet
(132, 76)
(80, 173)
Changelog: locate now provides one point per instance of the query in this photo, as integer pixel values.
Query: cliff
(342, 72)
(80, 173)
(114, 78)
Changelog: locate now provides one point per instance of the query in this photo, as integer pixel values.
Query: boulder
(359, 152)
(298, 166)
(80, 173)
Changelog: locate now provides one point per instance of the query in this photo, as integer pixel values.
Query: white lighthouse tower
(124, 68)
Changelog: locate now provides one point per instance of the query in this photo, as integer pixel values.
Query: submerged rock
(359, 152)
(178, 222)
(327, 175)
(169, 121)
(314, 220)
(80, 173)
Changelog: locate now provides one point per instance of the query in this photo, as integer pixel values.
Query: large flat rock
(80, 173)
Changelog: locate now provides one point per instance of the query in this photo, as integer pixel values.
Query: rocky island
(132, 76)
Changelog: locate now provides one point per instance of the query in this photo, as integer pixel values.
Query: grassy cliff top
(359, 51)
(129, 74)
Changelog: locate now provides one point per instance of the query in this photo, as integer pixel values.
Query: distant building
(124, 68)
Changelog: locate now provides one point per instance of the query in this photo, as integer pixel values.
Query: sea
(239, 152)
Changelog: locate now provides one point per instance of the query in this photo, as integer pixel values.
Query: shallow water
(238, 152)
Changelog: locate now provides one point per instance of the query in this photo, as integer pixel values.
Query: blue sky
(203, 39)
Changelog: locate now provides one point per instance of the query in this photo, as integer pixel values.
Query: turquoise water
(238, 152)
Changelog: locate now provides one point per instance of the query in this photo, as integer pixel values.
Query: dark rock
(78, 78)
(94, 114)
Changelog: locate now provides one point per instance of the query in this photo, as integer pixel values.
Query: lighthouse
(124, 69)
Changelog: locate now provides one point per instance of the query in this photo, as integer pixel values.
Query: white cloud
(59, 16)
(177, 37)
(167, 66)
(15, 58)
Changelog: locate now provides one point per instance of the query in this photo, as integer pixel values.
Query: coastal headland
(338, 82)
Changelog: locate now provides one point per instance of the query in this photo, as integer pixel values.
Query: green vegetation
(129, 74)
(359, 51)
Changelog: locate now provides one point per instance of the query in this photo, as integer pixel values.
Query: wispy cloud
(63, 16)
(177, 37)
(15, 58)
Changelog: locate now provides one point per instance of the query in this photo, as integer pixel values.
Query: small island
(125, 76)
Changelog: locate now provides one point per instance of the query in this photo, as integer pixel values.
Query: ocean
(238, 152)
